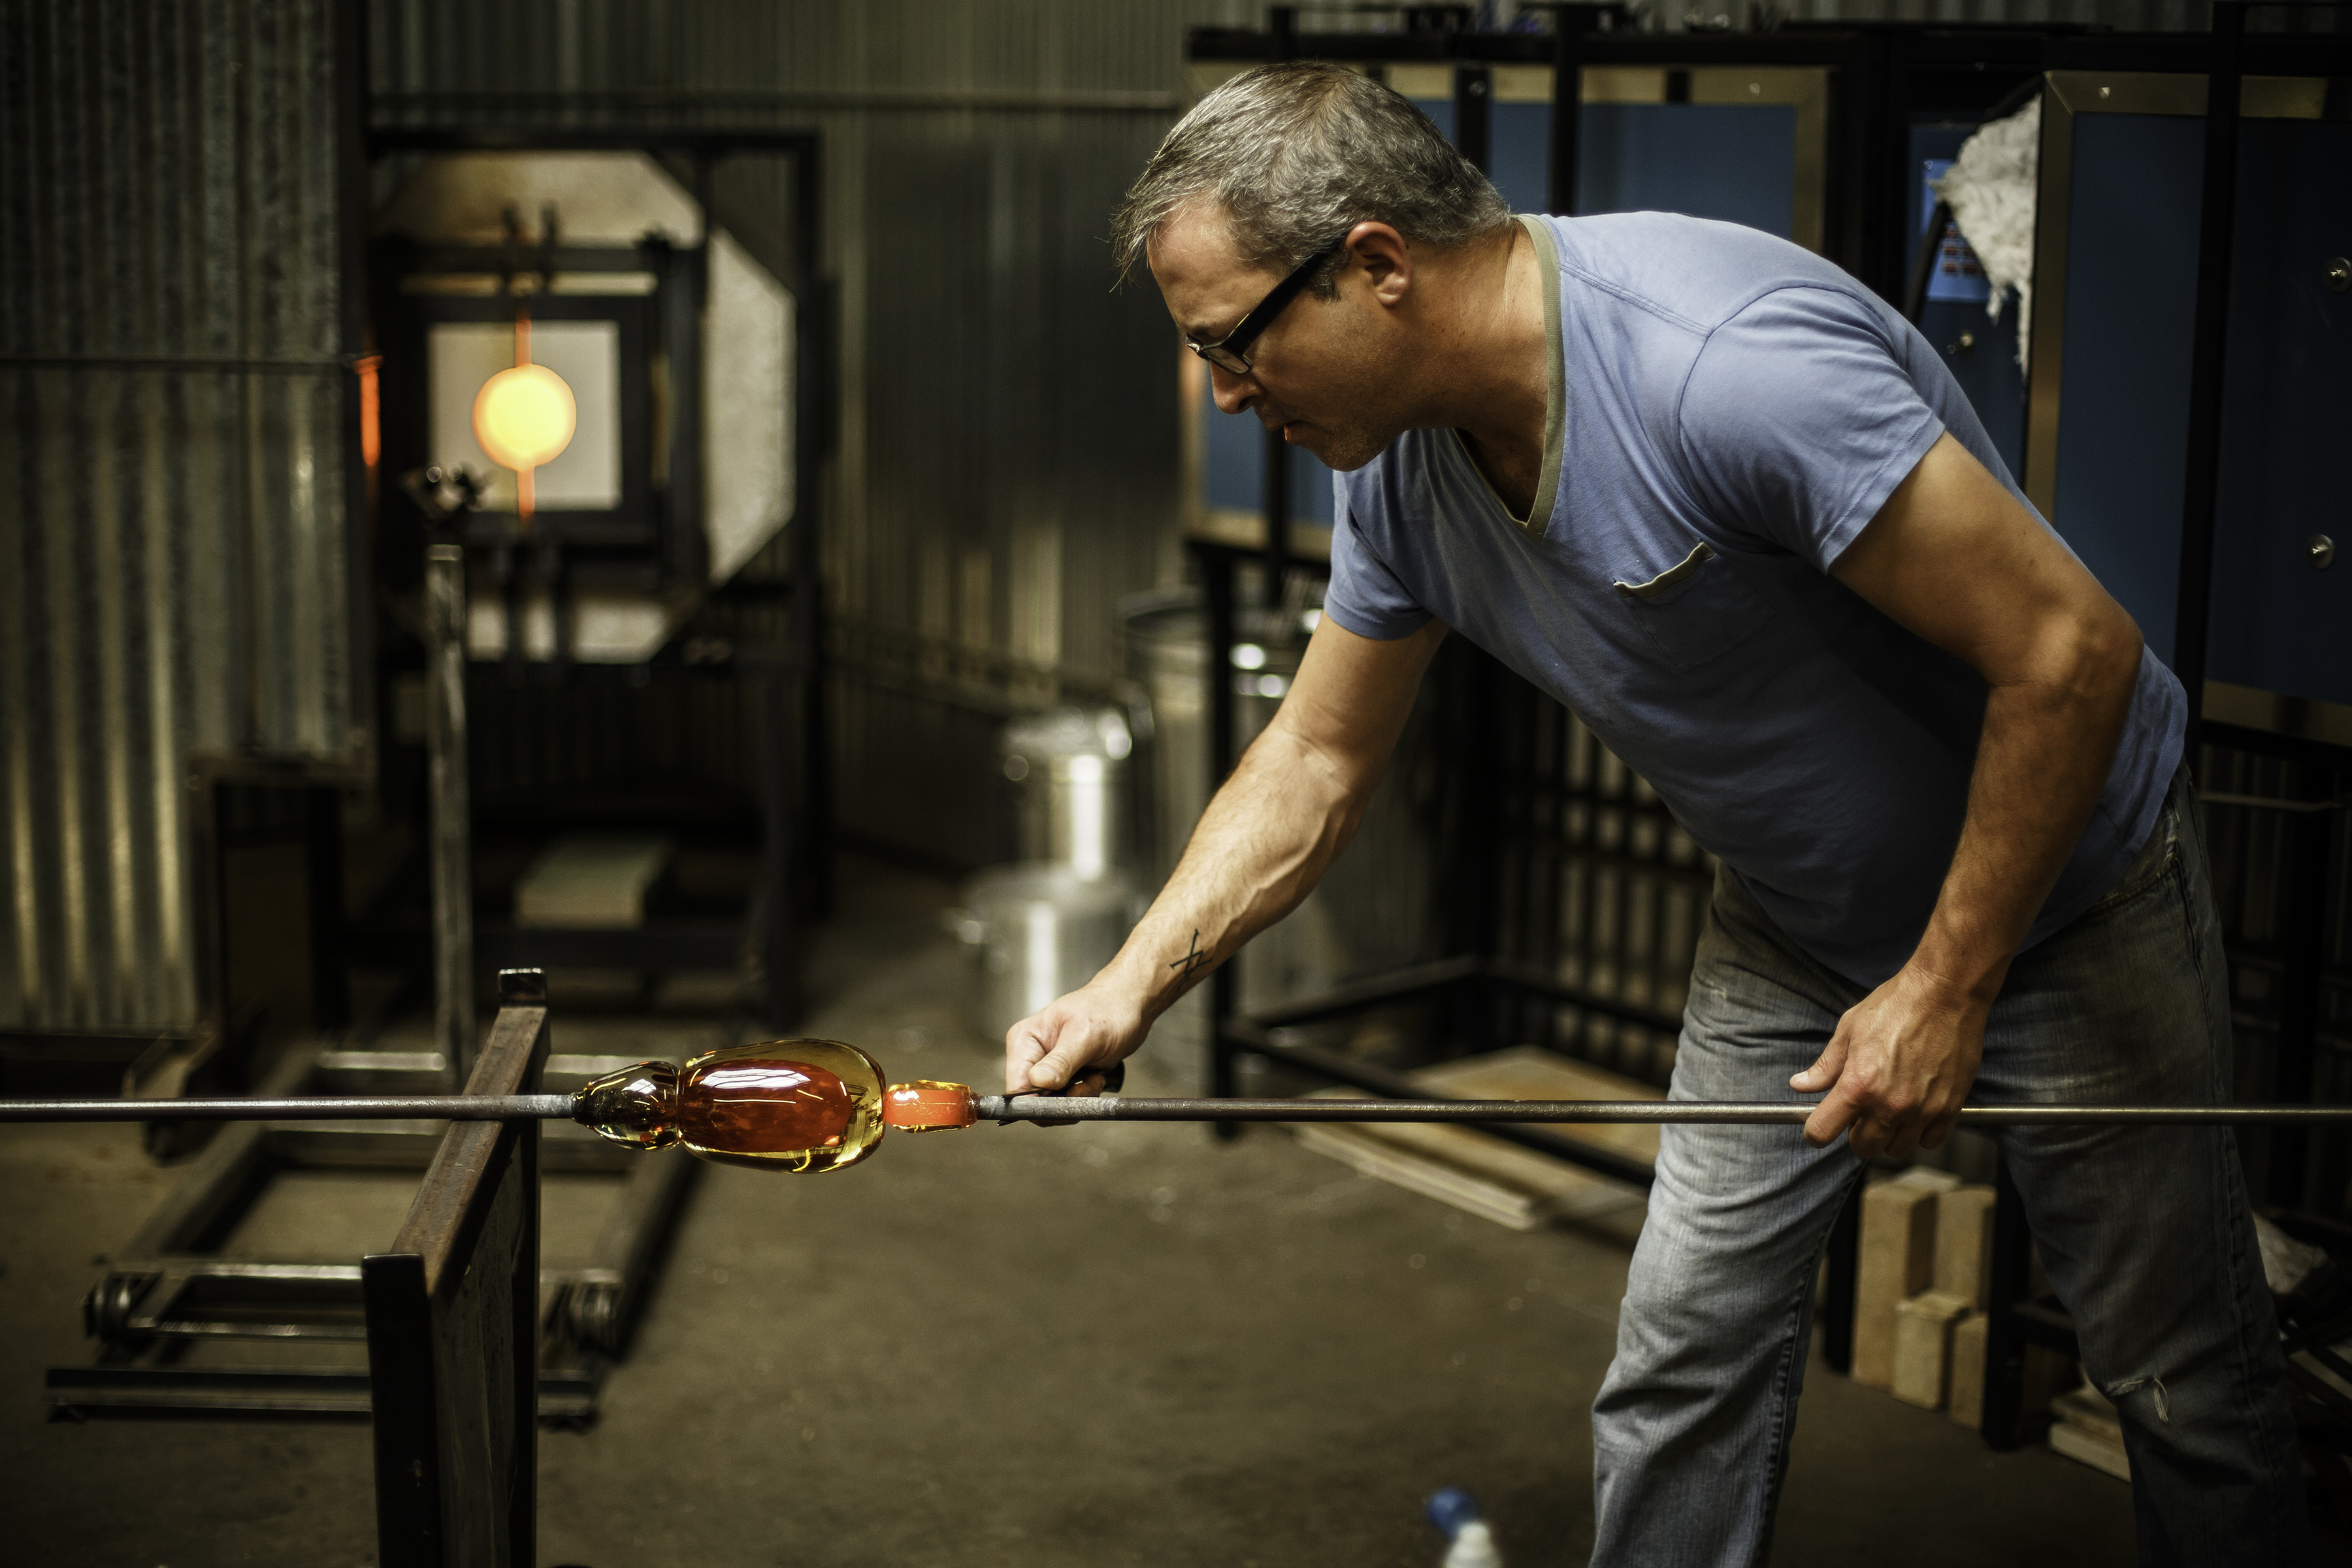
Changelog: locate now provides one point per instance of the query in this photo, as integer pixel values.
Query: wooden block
(1480, 1173)
(588, 880)
(1966, 1401)
(1964, 1244)
(1898, 1258)
(2090, 1450)
(1923, 1347)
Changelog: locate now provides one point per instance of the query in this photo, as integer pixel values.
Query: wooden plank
(1480, 1173)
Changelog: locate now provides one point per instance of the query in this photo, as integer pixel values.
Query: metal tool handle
(1107, 1108)
(304, 1107)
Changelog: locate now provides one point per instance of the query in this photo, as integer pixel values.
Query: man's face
(1324, 373)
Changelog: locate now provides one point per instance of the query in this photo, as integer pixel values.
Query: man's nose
(1232, 392)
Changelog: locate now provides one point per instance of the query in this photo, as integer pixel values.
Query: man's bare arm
(1956, 559)
(1264, 841)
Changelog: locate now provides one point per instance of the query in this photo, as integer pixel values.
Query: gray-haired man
(1718, 500)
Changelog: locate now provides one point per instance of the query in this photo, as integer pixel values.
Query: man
(1734, 512)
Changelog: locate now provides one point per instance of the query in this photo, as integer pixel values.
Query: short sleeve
(1364, 596)
(1800, 419)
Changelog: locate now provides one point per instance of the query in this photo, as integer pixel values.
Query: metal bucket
(1042, 931)
(1071, 766)
(1167, 645)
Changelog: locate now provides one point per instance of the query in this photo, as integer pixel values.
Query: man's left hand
(1898, 1068)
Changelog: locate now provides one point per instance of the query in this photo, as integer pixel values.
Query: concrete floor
(1081, 1346)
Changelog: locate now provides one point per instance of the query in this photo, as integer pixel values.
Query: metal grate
(2284, 881)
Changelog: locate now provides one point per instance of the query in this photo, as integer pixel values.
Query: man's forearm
(2044, 756)
(1262, 844)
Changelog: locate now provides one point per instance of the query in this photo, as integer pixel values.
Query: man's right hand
(1096, 1026)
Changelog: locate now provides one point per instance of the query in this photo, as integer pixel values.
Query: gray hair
(1294, 155)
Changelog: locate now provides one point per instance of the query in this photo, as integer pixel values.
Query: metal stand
(168, 1290)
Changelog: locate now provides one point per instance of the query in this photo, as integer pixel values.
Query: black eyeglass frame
(1230, 353)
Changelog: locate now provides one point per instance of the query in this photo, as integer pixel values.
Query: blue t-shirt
(1727, 413)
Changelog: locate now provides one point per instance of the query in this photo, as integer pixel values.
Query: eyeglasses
(1231, 353)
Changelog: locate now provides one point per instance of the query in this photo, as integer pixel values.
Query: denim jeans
(2145, 1232)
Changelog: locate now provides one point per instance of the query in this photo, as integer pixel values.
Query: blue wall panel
(1710, 159)
(1520, 148)
(2278, 626)
(2286, 470)
(2131, 298)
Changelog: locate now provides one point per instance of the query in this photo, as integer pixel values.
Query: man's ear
(1386, 259)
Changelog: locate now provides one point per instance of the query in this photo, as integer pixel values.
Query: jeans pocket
(1696, 613)
(2154, 860)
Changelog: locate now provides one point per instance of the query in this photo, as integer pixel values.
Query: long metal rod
(1119, 1107)
(1122, 1108)
(304, 1107)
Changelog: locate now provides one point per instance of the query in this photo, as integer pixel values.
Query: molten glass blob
(525, 416)
(799, 1106)
(927, 1105)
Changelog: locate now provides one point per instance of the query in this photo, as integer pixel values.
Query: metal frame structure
(793, 809)
(168, 1290)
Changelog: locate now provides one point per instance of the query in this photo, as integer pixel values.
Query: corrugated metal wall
(173, 540)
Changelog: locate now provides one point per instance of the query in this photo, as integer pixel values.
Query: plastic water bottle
(1469, 1543)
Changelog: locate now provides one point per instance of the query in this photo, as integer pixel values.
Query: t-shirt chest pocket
(1697, 612)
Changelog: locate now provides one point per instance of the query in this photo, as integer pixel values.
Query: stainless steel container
(1071, 765)
(1167, 643)
(1042, 931)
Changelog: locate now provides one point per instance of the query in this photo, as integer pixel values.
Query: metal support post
(1843, 1274)
(1473, 97)
(782, 909)
(452, 854)
(1567, 108)
(323, 860)
(1275, 501)
(1274, 490)
(2200, 489)
(2301, 979)
(1225, 988)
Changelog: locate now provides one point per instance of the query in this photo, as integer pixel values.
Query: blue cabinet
(2116, 266)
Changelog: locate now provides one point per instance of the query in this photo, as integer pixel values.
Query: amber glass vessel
(802, 1106)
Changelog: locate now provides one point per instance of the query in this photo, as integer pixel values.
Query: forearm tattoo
(1193, 957)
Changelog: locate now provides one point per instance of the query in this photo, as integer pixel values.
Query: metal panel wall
(1006, 445)
(172, 516)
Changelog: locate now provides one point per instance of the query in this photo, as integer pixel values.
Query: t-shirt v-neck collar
(1538, 516)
